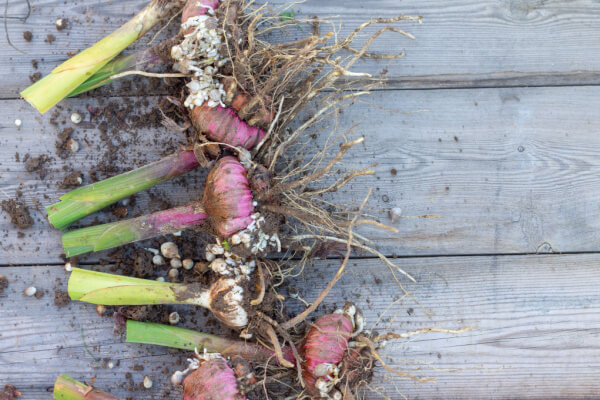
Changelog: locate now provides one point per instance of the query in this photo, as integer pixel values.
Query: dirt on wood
(18, 213)
(36, 76)
(3, 283)
(159, 314)
(36, 164)
(74, 179)
(63, 149)
(61, 298)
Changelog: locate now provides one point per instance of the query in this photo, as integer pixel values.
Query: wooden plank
(460, 44)
(537, 321)
(504, 170)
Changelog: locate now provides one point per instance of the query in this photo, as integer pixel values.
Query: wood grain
(537, 320)
(510, 170)
(460, 44)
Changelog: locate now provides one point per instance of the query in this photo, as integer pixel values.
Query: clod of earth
(18, 213)
(3, 283)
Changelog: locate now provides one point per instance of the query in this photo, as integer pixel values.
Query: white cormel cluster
(198, 54)
(254, 238)
(226, 263)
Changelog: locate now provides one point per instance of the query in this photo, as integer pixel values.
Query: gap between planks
(361, 258)
(426, 82)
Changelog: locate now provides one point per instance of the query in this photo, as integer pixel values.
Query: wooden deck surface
(490, 123)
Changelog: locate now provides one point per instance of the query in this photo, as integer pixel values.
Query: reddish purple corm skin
(214, 380)
(325, 342)
(227, 197)
(223, 125)
(193, 8)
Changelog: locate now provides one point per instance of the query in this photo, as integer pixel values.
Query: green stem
(186, 339)
(107, 236)
(88, 199)
(116, 290)
(140, 61)
(47, 92)
(67, 388)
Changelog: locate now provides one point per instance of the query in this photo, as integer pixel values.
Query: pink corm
(213, 380)
(227, 197)
(325, 343)
(221, 124)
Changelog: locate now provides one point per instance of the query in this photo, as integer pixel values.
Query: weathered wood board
(537, 322)
(459, 44)
(504, 170)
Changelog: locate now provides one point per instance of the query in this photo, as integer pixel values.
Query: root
(313, 119)
(271, 126)
(406, 335)
(302, 316)
(318, 174)
(150, 74)
(277, 347)
(341, 183)
(266, 379)
(347, 393)
(373, 352)
(297, 356)
(261, 280)
(165, 26)
(357, 245)
(377, 224)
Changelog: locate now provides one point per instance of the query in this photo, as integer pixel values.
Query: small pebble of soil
(142, 264)
(18, 212)
(36, 164)
(27, 35)
(50, 38)
(73, 179)
(33, 78)
(3, 283)
(62, 143)
(61, 298)
(61, 23)
(9, 393)
(119, 211)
